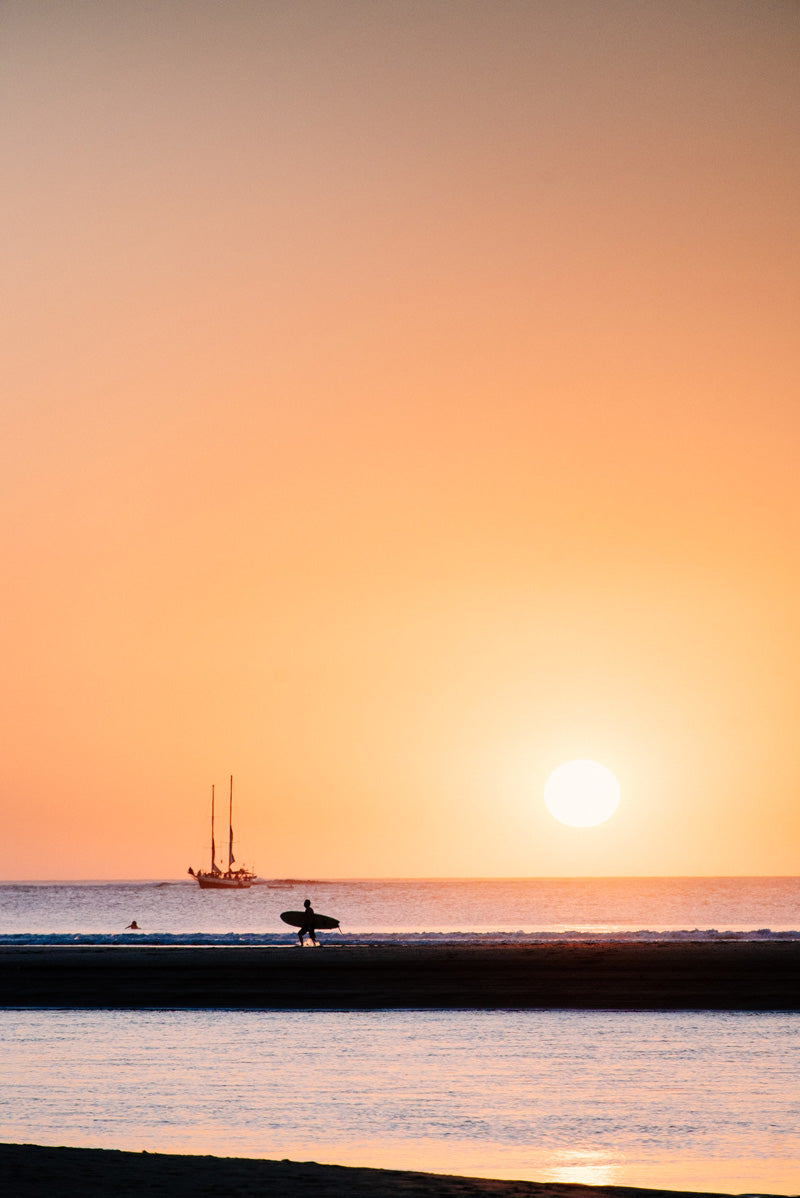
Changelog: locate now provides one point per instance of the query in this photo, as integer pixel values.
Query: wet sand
(92, 1172)
(722, 975)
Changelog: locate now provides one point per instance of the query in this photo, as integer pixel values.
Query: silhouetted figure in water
(308, 927)
(133, 927)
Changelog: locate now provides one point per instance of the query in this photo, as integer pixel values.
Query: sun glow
(581, 793)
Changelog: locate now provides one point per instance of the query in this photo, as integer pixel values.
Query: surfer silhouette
(308, 923)
(133, 927)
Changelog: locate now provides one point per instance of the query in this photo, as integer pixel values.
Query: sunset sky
(400, 399)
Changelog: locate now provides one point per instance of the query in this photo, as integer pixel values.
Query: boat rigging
(230, 878)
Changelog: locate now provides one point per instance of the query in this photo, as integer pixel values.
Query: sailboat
(230, 878)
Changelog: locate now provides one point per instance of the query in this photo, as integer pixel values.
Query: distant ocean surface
(405, 909)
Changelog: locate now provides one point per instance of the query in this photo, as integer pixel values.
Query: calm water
(691, 1100)
(410, 908)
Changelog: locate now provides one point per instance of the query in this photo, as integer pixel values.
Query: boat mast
(230, 829)
(213, 852)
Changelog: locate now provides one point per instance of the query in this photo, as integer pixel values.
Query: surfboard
(299, 919)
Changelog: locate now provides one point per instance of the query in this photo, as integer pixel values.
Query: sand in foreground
(92, 1172)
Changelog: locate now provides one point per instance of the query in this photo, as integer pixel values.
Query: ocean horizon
(177, 910)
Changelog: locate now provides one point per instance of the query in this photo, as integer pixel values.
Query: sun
(581, 793)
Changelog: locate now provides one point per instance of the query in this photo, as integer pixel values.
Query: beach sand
(34, 1172)
(719, 975)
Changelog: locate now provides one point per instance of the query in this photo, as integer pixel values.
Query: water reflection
(587, 1168)
(667, 1100)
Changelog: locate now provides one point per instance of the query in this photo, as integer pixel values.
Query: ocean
(539, 908)
(688, 1100)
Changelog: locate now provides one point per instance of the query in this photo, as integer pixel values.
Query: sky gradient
(400, 399)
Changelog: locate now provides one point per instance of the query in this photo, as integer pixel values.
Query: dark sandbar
(722, 975)
(91, 1172)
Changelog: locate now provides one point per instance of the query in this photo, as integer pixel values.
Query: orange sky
(400, 399)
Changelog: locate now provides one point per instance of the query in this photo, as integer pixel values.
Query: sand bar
(723, 975)
(91, 1172)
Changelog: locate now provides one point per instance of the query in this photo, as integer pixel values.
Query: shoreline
(724, 975)
(52, 1172)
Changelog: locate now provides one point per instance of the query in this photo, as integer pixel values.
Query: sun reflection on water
(586, 1168)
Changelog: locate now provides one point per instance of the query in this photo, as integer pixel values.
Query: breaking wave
(277, 939)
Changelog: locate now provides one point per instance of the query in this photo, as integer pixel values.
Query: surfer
(133, 926)
(308, 923)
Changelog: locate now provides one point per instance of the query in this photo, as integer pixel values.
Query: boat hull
(224, 881)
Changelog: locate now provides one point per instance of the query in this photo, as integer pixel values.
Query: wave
(277, 939)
